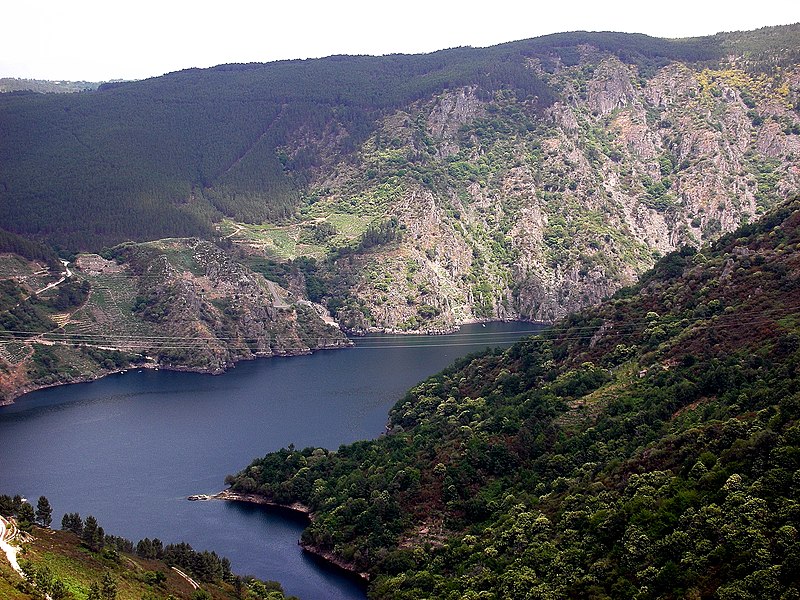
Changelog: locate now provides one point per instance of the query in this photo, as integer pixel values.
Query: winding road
(191, 581)
(67, 273)
(277, 302)
(64, 276)
(8, 532)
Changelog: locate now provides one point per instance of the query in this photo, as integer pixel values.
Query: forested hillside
(524, 180)
(156, 148)
(645, 448)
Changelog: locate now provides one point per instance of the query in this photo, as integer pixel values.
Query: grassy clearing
(279, 242)
(350, 226)
(178, 255)
(295, 240)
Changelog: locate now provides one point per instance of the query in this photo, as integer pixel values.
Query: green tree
(72, 522)
(43, 579)
(94, 592)
(93, 535)
(6, 505)
(44, 512)
(59, 591)
(25, 516)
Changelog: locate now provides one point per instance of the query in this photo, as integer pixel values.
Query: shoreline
(17, 393)
(436, 331)
(27, 389)
(229, 495)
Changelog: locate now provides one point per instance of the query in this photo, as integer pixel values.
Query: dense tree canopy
(645, 448)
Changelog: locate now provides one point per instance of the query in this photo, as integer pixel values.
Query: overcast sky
(100, 40)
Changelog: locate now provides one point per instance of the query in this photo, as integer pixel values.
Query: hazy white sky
(97, 40)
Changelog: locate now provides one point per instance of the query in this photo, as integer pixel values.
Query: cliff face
(519, 181)
(216, 311)
(509, 210)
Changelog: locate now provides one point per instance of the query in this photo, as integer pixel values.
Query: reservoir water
(131, 447)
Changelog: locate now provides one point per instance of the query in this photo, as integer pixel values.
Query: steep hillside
(177, 303)
(81, 562)
(508, 209)
(648, 447)
(525, 180)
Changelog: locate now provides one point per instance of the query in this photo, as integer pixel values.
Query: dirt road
(7, 533)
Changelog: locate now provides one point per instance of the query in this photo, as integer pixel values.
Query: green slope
(648, 448)
(57, 562)
(169, 155)
(82, 562)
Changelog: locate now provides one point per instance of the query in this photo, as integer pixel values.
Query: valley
(632, 201)
(655, 430)
(416, 193)
(130, 448)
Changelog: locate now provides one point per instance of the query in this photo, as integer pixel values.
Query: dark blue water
(130, 448)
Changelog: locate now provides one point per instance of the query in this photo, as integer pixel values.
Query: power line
(591, 331)
(368, 336)
(365, 343)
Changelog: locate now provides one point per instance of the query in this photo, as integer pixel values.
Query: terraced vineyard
(107, 318)
(14, 353)
(29, 275)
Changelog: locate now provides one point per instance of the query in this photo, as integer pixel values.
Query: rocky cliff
(417, 192)
(513, 210)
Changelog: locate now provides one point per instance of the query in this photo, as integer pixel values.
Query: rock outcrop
(513, 211)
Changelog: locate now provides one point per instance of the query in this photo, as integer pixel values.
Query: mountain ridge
(380, 82)
(414, 193)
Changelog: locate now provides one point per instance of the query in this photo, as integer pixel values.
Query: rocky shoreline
(231, 496)
(32, 386)
(9, 395)
(434, 331)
